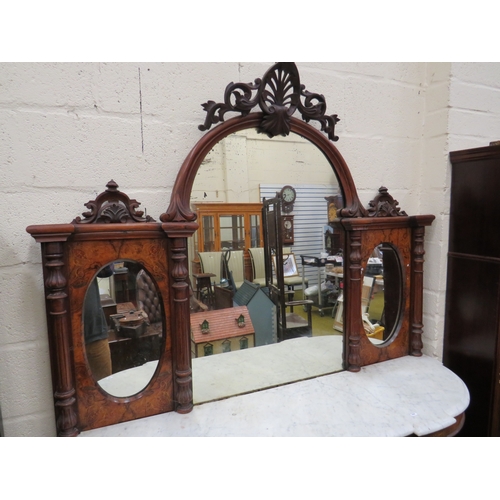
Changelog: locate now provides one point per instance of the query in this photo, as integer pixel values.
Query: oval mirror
(382, 294)
(123, 328)
(227, 261)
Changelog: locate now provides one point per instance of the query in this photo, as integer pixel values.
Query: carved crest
(384, 205)
(278, 94)
(112, 206)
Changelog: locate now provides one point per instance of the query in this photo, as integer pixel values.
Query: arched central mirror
(227, 264)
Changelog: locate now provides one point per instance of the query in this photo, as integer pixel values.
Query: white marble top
(249, 370)
(395, 398)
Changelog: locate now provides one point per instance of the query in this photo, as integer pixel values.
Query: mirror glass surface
(232, 181)
(123, 328)
(382, 297)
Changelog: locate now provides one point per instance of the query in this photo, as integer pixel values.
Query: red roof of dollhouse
(223, 324)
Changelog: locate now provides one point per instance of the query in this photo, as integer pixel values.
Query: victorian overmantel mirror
(115, 256)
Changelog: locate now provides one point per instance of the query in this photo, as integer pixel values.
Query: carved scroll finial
(278, 94)
(384, 205)
(112, 206)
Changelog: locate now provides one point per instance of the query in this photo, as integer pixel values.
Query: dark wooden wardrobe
(472, 320)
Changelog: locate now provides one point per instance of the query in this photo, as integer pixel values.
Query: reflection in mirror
(382, 295)
(123, 328)
(227, 265)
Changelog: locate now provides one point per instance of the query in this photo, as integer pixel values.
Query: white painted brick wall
(67, 129)
(432, 198)
(474, 105)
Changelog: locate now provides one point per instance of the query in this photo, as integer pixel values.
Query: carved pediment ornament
(112, 206)
(384, 205)
(278, 94)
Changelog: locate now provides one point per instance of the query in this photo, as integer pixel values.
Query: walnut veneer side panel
(398, 344)
(95, 407)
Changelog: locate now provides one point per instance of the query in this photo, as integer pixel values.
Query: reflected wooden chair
(210, 276)
(210, 262)
(195, 304)
(258, 265)
(236, 265)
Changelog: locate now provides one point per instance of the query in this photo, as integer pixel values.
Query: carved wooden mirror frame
(113, 229)
(385, 224)
(71, 256)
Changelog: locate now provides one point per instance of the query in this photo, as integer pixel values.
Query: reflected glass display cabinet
(228, 225)
(235, 226)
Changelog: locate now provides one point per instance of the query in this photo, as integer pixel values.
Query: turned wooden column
(59, 337)
(417, 291)
(352, 302)
(183, 382)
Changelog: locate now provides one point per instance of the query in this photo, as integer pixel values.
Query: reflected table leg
(204, 282)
